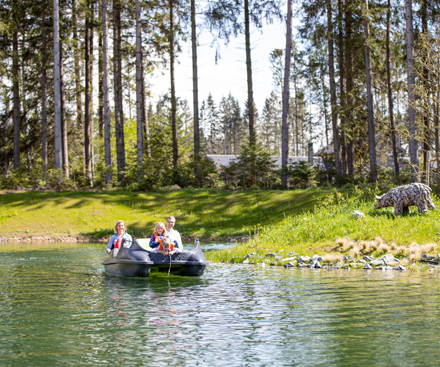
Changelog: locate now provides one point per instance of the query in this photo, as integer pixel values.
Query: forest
(360, 77)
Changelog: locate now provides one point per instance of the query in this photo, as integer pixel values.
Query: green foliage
(254, 167)
(332, 217)
(302, 175)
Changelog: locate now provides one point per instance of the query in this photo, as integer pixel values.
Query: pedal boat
(133, 261)
(139, 261)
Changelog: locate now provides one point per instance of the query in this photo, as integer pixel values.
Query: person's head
(160, 229)
(166, 244)
(120, 227)
(171, 221)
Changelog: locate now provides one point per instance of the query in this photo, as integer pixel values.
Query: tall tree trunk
(413, 145)
(16, 89)
(88, 162)
(286, 98)
(44, 95)
(324, 105)
(139, 92)
(173, 91)
(63, 119)
(119, 113)
(331, 69)
(57, 91)
(92, 115)
(371, 129)
(436, 130)
(100, 72)
(350, 101)
(195, 92)
(76, 58)
(105, 89)
(250, 100)
(147, 119)
(342, 112)
(426, 147)
(24, 123)
(390, 93)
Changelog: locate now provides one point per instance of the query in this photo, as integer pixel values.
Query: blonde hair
(118, 223)
(161, 225)
(166, 243)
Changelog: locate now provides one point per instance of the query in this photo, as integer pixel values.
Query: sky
(229, 74)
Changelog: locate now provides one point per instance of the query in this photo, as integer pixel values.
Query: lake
(57, 307)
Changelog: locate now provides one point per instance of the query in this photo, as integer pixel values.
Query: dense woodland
(360, 77)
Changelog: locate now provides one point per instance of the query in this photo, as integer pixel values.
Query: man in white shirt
(173, 235)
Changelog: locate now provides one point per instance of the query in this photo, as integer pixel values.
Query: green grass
(316, 231)
(207, 214)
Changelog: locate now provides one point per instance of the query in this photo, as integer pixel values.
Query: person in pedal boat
(173, 235)
(120, 235)
(159, 234)
(166, 248)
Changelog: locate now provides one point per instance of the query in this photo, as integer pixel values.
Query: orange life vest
(161, 248)
(157, 239)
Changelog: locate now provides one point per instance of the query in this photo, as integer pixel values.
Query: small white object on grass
(358, 214)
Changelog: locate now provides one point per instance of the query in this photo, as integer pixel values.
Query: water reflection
(57, 307)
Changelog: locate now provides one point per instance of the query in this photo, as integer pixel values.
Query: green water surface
(57, 307)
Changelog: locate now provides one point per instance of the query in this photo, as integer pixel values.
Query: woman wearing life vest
(166, 248)
(159, 234)
(115, 241)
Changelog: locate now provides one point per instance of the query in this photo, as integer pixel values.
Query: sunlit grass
(332, 228)
(207, 214)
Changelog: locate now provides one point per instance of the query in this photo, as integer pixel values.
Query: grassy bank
(209, 215)
(333, 229)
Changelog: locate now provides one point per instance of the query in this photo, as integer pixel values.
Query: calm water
(58, 308)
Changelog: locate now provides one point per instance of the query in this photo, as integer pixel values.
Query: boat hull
(125, 269)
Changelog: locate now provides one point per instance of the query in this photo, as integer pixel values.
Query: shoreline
(22, 237)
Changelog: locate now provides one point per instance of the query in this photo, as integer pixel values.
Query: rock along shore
(384, 262)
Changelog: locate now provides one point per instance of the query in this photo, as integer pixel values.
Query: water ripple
(58, 308)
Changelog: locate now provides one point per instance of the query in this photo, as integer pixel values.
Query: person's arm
(153, 244)
(175, 251)
(110, 245)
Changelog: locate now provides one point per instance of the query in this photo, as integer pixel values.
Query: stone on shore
(399, 267)
(376, 262)
(249, 255)
(303, 259)
(367, 267)
(389, 259)
(316, 258)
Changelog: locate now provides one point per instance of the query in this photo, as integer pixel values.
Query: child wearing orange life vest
(166, 248)
(159, 234)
